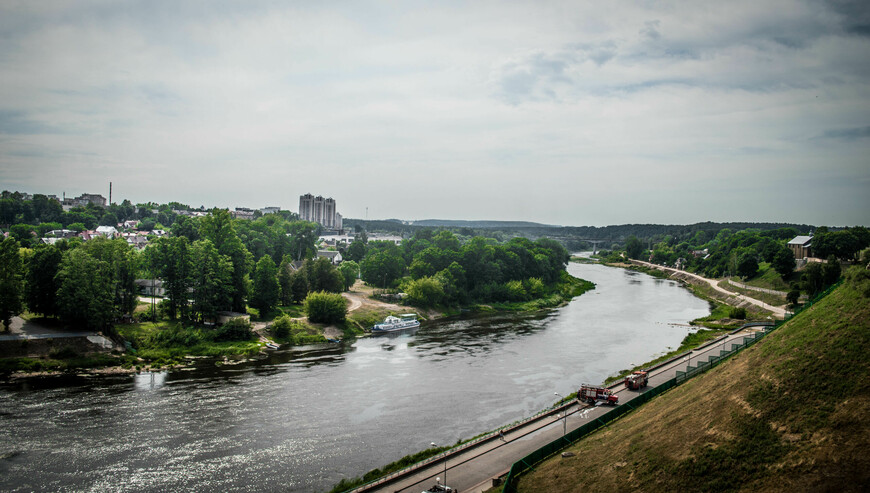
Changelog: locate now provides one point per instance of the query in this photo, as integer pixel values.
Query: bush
(328, 308)
(282, 327)
(738, 313)
(65, 352)
(237, 329)
(173, 336)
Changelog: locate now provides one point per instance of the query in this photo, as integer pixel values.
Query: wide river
(305, 418)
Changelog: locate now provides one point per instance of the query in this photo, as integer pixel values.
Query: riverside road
(472, 469)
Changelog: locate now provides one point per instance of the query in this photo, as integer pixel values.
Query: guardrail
(528, 462)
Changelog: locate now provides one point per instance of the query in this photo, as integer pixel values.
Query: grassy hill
(788, 414)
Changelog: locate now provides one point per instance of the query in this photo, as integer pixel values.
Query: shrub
(282, 326)
(323, 307)
(237, 329)
(738, 313)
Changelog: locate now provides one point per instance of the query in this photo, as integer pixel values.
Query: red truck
(593, 393)
(637, 380)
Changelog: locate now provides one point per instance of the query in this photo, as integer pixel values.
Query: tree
(171, 260)
(122, 262)
(266, 288)
(793, 296)
(349, 271)
(382, 267)
(303, 235)
(747, 265)
(211, 281)
(323, 276)
(41, 283)
(328, 308)
(356, 251)
(218, 228)
(633, 247)
(298, 286)
(425, 292)
(285, 281)
(10, 281)
(85, 296)
(831, 271)
(783, 262)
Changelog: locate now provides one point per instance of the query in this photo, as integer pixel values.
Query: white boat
(391, 323)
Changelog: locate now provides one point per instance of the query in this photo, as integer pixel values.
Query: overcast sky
(573, 113)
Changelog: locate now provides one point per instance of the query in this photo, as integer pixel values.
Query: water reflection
(149, 381)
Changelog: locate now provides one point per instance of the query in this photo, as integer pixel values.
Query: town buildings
(319, 210)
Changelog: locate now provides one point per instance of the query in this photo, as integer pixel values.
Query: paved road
(714, 283)
(472, 469)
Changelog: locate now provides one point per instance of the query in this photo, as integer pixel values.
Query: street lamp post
(445, 467)
(564, 416)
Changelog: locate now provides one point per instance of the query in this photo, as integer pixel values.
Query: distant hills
(454, 223)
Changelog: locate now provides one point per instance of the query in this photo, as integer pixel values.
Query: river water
(305, 418)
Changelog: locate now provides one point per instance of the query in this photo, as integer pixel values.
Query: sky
(569, 113)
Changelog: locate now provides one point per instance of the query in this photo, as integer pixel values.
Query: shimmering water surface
(303, 419)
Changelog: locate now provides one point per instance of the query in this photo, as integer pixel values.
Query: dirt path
(714, 283)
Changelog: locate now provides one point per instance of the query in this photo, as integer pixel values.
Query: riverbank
(174, 345)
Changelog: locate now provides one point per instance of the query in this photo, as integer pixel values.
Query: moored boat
(391, 323)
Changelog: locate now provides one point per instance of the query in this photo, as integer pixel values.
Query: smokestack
(110, 193)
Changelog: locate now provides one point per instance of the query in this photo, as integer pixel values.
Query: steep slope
(788, 414)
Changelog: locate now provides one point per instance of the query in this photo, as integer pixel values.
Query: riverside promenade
(479, 465)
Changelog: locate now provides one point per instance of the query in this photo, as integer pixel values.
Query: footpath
(714, 283)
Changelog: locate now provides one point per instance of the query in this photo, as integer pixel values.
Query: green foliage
(328, 308)
(633, 247)
(783, 262)
(355, 252)
(737, 313)
(793, 296)
(349, 272)
(236, 329)
(382, 267)
(424, 292)
(858, 279)
(323, 276)
(747, 265)
(211, 279)
(266, 288)
(41, 283)
(85, 297)
(10, 280)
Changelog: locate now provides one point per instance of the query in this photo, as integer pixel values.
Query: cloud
(847, 134)
(498, 108)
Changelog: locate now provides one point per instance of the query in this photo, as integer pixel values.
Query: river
(305, 418)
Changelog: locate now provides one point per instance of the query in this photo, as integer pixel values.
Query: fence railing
(528, 462)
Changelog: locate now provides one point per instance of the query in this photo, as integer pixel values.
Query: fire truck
(594, 394)
(637, 380)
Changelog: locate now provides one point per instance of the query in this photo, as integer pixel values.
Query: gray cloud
(464, 110)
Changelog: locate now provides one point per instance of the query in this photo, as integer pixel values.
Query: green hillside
(788, 414)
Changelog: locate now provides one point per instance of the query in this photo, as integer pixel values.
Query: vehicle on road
(637, 380)
(391, 323)
(594, 394)
(438, 487)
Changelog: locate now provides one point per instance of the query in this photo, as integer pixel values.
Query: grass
(788, 414)
(166, 343)
(408, 460)
(770, 299)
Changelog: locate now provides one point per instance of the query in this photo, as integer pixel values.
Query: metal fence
(528, 462)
